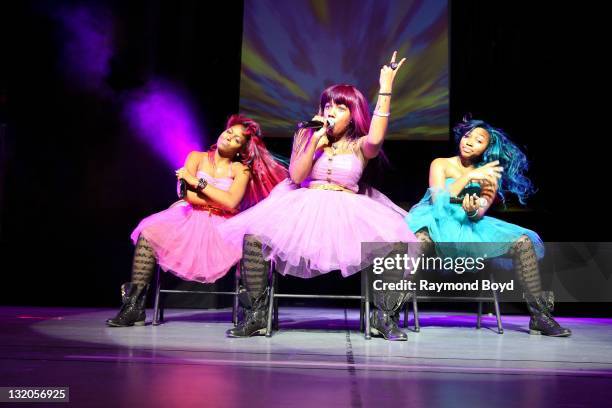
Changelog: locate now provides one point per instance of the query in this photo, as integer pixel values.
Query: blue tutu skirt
(448, 223)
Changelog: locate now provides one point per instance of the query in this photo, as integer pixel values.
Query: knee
(423, 235)
(523, 243)
(251, 242)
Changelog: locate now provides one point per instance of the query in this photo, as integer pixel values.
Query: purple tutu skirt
(308, 232)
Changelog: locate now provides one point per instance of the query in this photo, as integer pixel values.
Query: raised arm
(372, 143)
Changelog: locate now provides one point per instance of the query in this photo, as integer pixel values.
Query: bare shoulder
(442, 162)
(446, 166)
(195, 156)
(193, 160)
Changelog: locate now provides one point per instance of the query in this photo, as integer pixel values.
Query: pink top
(222, 183)
(342, 169)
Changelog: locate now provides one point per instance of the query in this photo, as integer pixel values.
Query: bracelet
(201, 184)
(475, 213)
(384, 93)
(384, 115)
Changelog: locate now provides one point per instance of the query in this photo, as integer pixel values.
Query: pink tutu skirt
(187, 243)
(308, 232)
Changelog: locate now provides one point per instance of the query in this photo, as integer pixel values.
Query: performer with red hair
(235, 173)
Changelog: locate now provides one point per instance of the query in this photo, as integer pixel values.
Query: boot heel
(142, 323)
(535, 332)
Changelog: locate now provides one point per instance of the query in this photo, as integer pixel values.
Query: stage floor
(317, 359)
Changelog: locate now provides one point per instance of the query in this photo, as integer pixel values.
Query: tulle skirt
(448, 223)
(187, 243)
(308, 232)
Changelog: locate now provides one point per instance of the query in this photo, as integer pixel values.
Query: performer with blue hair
(489, 162)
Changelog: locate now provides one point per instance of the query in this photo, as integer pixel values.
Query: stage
(318, 358)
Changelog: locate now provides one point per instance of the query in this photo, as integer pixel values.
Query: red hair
(266, 172)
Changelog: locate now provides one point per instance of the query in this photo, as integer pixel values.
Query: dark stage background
(75, 181)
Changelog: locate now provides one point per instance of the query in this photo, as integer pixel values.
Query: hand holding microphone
(472, 204)
(480, 201)
(316, 123)
(322, 125)
(181, 187)
(470, 199)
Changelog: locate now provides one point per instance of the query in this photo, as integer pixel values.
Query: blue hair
(510, 157)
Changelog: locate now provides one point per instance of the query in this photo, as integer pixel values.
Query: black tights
(253, 267)
(144, 263)
(524, 259)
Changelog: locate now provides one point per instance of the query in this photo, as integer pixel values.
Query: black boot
(255, 315)
(132, 312)
(541, 321)
(384, 319)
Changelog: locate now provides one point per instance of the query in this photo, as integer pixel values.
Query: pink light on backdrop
(162, 116)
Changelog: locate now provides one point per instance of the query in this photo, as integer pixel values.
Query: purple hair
(353, 99)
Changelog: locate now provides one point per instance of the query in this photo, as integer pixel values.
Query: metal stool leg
(367, 333)
(156, 314)
(361, 304)
(271, 305)
(500, 329)
(362, 316)
(415, 308)
(236, 290)
(479, 316)
(275, 321)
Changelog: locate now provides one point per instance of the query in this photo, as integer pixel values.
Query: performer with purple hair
(487, 157)
(319, 226)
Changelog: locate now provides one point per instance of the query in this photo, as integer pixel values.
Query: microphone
(316, 124)
(482, 202)
(181, 189)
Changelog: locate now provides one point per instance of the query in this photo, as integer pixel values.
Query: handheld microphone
(316, 124)
(181, 189)
(482, 202)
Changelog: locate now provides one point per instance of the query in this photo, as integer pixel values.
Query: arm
(437, 179)
(459, 184)
(372, 143)
(188, 174)
(231, 198)
(304, 147)
(489, 174)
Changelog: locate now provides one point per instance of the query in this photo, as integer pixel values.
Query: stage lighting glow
(88, 45)
(162, 116)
